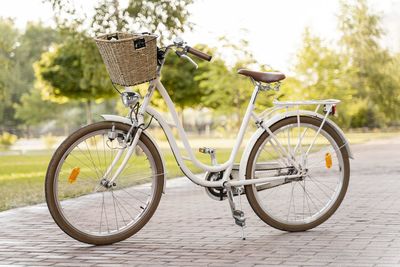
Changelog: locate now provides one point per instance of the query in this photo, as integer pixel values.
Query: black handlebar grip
(198, 53)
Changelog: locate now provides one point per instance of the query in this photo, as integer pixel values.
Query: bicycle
(105, 181)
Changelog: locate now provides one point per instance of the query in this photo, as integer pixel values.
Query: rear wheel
(82, 203)
(302, 204)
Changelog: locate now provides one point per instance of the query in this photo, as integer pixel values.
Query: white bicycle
(105, 181)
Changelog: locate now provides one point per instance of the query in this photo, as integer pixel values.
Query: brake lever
(182, 54)
(190, 60)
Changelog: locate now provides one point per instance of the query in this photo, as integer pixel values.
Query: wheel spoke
(102, 210)
(305, 201)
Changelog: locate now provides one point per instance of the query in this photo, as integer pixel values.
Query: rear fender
(275, 119)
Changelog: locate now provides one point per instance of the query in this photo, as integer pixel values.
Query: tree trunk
(89, 118)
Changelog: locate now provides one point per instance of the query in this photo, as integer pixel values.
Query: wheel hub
(107, 184)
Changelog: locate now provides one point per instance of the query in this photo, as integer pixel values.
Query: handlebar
(181, 51)
(198, 53)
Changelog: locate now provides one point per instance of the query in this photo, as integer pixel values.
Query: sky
(272, 28)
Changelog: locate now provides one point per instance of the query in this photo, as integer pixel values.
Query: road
(190, 229)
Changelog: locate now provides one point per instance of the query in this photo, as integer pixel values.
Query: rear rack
(305, 102)
(327, 104)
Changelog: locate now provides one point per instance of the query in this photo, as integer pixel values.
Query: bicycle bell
(178, 41)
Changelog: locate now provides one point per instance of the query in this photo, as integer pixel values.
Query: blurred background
(53, 80)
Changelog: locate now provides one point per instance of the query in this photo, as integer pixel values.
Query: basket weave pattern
(126, 65)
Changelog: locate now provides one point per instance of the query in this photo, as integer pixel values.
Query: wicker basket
(130, 59)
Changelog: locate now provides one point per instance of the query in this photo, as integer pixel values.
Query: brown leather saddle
(267, 77)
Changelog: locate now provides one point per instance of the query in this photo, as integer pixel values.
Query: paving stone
(189, 229)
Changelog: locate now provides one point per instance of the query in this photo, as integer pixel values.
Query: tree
(356, 70)
(32, 110)
(375, 70)
(159, 16)
(74, 70)
(163, 17)
(8, 38)
(19, 51)
(178, 77)
(322, 72)
(225, 91)
(35, 40)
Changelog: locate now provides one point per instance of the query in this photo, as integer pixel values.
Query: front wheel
(79, 198)
(306, 202)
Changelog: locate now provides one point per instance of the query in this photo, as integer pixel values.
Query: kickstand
(238, 215)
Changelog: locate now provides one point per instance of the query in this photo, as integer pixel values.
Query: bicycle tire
(251, 190)
(51, 187)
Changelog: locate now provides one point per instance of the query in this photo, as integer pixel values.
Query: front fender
(126, 120)
(275, 119)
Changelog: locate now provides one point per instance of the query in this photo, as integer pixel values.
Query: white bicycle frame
(228, 165)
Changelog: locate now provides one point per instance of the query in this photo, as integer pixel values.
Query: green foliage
(225, 91)
(8, 38)
(178, 78)
(19, 51)
(35, 40)
(33, 110)
(74, 70)
(374, 70)
(322, 73)
(164, 17)
(109, 17)
(7, 140)
(356, 70)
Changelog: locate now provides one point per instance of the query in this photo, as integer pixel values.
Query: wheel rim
(306, 201)
(93, 209)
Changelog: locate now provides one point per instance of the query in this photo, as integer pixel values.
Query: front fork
(130, 144)
(128, 155)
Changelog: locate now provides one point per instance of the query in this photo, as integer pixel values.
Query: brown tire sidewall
(52, 201)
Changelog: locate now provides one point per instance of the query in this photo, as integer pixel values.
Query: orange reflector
(74, 174)
(328, 160)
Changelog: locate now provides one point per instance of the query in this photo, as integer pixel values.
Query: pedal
(207, 150)
(238, 215)
(211, 152)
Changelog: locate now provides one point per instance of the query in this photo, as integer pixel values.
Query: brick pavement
(189, 229)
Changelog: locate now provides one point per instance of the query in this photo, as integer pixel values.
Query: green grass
(21, 179)
(22, 176)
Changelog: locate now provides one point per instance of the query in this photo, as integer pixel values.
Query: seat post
(257, 88)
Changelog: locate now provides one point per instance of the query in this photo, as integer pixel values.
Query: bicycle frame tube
(226, 167)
